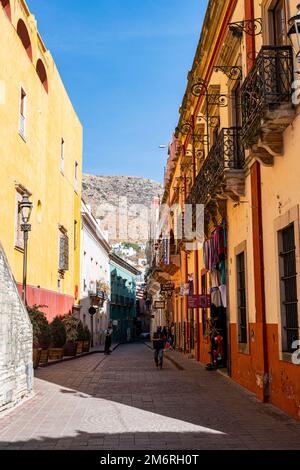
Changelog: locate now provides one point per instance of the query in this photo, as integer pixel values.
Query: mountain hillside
(103, 194)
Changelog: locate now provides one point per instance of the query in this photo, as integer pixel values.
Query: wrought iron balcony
(267, 101)
(222, 171)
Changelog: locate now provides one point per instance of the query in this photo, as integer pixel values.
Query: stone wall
(16, 371)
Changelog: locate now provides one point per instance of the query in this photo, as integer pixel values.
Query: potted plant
(87, 339)
(80, 337)
(58, 339)
(71, 323)
(41, 335)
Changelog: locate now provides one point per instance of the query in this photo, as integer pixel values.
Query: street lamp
(25, 208)
(294, 32)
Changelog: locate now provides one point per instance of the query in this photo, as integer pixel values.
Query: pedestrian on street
(159, 341)
(108, 340)
(172, 334)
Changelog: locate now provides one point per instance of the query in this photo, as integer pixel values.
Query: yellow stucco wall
(36, 163)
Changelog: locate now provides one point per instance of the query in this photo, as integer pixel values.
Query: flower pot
(70, 349)
(86, 346)
(55, 354)
(79, 347)
(36, 356)
(44, 357)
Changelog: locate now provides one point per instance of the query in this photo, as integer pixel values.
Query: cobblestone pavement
(124, 402)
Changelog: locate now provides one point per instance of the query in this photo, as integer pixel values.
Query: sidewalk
(94, 350)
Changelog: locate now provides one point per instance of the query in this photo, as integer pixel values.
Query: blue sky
(124, 64)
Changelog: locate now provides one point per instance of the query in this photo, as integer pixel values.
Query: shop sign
(168, 286)
(159, 304)
(199, 301)
(100, 294)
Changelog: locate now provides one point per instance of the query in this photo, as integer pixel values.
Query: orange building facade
(232, 289)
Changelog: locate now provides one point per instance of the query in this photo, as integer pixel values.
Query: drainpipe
(259, 334)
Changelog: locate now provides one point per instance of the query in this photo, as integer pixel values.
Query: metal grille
(204, 313)
(268, 85)
(289, 286)
(241, 291)
(63, 252)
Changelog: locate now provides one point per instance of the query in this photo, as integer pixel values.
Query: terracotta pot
(55, 354)
(86, 346)
(36, 356)
(79, 347)
(70, 349)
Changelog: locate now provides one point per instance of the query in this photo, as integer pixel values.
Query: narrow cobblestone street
(123, 402)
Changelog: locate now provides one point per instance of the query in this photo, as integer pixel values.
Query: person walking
(159, 341)
(108, 339)
(172, 334)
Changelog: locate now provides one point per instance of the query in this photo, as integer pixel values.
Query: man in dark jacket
(108, 339)
(159, 341)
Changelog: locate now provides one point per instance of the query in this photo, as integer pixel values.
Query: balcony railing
(226, 154)
(267, 90)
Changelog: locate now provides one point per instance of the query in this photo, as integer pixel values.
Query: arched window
(41, 71)
(24, 36)
(6, 6)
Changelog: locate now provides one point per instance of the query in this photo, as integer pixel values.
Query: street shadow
(127, 404)
(125, 441)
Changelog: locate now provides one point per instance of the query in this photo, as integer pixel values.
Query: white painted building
(94, 274)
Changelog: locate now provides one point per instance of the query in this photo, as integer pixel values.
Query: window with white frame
(23, 105)
(288, 287)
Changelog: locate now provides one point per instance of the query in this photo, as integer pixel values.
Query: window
(63, 250)
(76, 176)
(23, 102)
(279, 24)
(62, 155)
(241, 298)
(19, 238)
(288, 288)
(236, 106)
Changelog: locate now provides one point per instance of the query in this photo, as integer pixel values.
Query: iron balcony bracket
(233, 73)
(250, 27)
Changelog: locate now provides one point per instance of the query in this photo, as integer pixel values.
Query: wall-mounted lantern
(294, 32)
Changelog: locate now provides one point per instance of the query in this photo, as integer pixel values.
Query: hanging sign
(168, 286)
(160, 304)
(92, 311)
(199, 301)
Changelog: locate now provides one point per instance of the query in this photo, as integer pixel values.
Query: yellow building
(237, 155)
(41, 155)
